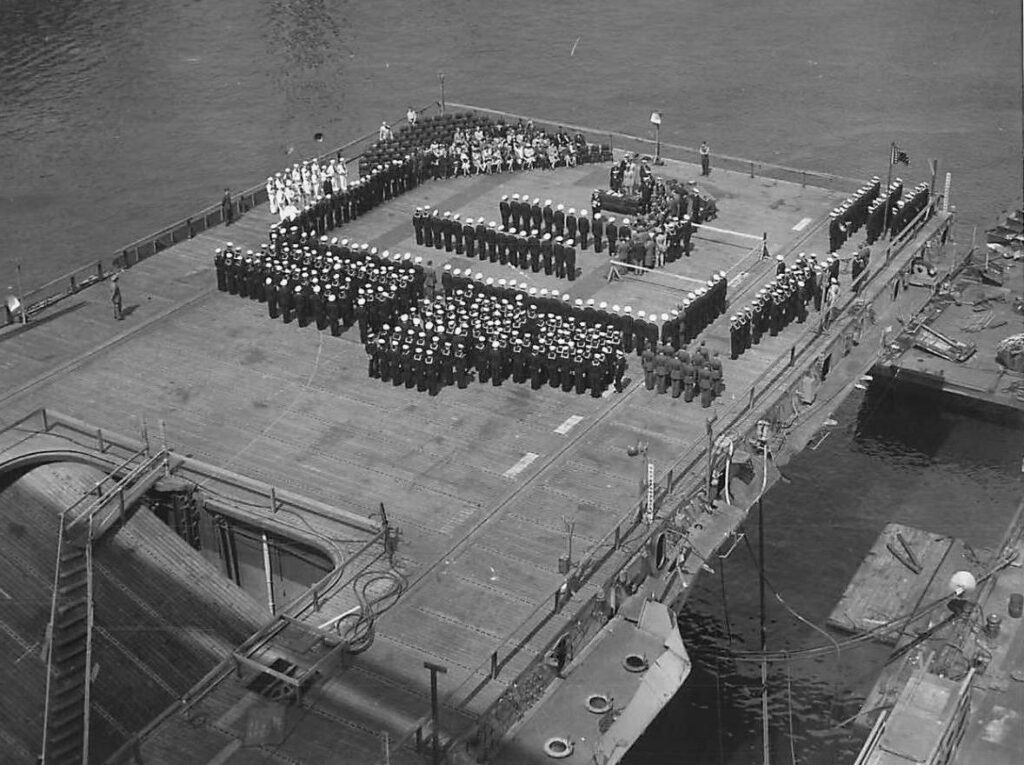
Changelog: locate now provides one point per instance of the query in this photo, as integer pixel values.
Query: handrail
(49, 642)
(89, 624)
(187, 227)
(117, 489)
(626, 136)
(589, 563)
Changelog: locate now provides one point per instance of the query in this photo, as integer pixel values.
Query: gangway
(69, 668)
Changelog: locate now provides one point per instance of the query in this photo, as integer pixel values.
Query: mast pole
(888, 183)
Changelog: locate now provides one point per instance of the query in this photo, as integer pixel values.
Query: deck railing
(677, 486)
(38, 298)
(648, 146)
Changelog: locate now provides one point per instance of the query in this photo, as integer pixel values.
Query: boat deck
(974, 312)
(479, 481)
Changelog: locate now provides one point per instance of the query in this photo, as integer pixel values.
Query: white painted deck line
(520, 466)
(568, 425)
(802, 224)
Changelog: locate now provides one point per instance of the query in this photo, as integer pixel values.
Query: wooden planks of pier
(480, 481)
(896, 578)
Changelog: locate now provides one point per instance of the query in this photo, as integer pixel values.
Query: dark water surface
(894, 456)
(120, 116)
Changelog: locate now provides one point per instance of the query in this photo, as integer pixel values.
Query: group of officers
(785, 299)
(684, 373)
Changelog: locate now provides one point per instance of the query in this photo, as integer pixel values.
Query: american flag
(899, 157)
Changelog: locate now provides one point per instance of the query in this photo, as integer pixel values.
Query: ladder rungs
(72, 627)
(69, 570)
(68, 589)
(70, 752)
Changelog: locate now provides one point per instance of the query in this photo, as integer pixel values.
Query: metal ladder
(69, 655)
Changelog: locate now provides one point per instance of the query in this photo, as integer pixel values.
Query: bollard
(494, 665)
(992, 624)
(751, 169)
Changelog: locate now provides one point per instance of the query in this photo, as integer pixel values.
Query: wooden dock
(481, 482)
(905, 568)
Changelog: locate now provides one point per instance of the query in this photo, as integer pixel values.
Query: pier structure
(479, 486)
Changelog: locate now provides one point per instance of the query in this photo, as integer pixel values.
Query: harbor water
(121, 116)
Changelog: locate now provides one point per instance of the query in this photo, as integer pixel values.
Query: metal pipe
(266, 570)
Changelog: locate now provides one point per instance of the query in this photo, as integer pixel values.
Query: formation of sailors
(332, 285)
(522, 248)
(785, 299)
(848, 217)
(906, 209)
(493, 333)
(881, 211)
(691, 375)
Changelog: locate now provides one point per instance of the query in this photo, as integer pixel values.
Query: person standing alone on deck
(226, 208)
(115, 297)
(705, 158)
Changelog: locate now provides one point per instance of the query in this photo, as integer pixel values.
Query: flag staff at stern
(896, 155)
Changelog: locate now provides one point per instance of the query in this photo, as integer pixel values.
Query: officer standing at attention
(705, 158)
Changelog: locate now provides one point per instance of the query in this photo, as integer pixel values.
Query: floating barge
(953, 688)
(951, 345)
(502, 535)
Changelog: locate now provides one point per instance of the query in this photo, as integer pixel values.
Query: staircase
(66, 726)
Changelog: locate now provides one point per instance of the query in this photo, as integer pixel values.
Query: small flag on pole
(899, 157)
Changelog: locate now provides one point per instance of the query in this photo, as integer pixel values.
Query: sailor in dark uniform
(469, 238)
(220, 265)
(548, 214)
(558, 255)
(270, 290)
(611, 232)
(547, 254)
(583, 226)
(570, 260)
(505, 208)
(598, 229)
(533, 249)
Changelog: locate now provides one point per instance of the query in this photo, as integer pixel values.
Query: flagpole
(888, 183)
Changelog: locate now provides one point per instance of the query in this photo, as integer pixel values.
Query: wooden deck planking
(883, 588)
(299, 412)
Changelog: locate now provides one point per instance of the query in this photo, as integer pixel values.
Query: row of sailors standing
(784, 299)
(520, 249)
(524, 214)
(492, 334)
(904, 211)
(334, 285)
(337, 285)
(688, 374)
(848, 217)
